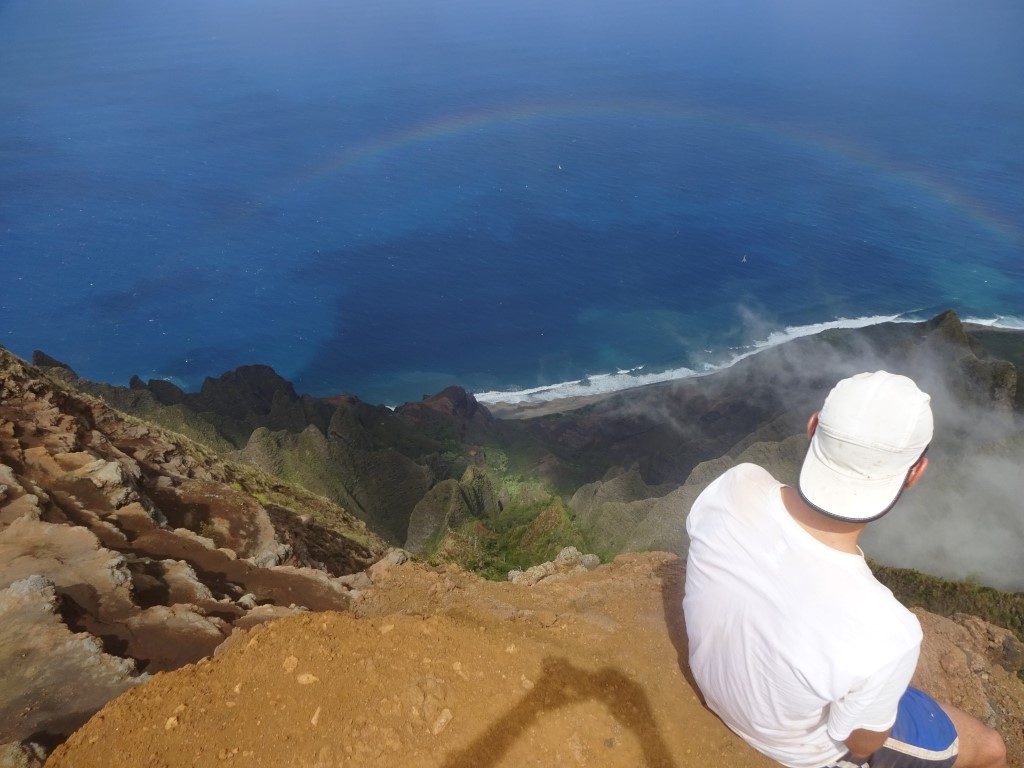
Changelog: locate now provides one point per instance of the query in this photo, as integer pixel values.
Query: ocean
(530, 199)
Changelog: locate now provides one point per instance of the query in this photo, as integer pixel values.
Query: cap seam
(845, 437)
(865, 480)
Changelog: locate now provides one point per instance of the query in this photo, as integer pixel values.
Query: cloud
(965, 519)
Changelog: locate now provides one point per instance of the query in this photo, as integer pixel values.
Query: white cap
(872, 429)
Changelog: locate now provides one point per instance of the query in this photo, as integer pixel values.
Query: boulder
(116, 479)
(357, 580)
(569, 560)
(25, 506)
(394, 557)
(170, 636)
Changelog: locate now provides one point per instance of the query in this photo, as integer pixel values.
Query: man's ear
(812, 424)
(916, 472)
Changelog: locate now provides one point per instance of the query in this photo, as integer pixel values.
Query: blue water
(385, 198)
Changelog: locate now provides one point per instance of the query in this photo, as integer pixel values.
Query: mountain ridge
(392, 467)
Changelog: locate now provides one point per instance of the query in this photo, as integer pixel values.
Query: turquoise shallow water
(390, 198)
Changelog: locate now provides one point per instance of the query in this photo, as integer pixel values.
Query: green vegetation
(946, 598)
(1000, 344)
(517, 539)
(949, 597)
(176, 418)
(532, 526)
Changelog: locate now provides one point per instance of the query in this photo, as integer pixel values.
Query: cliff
(375, 462)
(437, 667)
(651, 449)
(127, 550)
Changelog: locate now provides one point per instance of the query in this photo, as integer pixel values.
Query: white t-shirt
(794, 644)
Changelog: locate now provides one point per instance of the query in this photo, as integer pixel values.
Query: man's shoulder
(747, 476)
(744, 486)
(753, 473)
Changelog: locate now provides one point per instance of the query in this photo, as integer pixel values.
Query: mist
(964, 520)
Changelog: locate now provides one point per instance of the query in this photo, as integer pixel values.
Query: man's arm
(863, 719)
(863, 744)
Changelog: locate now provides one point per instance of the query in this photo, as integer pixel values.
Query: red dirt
(438, 669)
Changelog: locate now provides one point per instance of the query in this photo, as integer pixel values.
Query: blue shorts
(922, 737)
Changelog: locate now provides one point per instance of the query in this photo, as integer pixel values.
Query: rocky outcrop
(436, 667)
(460, 411)
(569, 560)
(54, 679)
(375, 462)
(230, 518)
(443, 507)
(222, 414)
(255, 396)
(125, 549)
(380, 486)
(42, 360)
(618, 486)
(448, 505)
(70, 558)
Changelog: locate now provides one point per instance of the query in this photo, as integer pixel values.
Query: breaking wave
(605, 383)
(999, 321)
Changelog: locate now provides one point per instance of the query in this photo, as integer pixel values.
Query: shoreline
(546, 401)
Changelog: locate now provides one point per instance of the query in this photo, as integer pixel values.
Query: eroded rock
(568, 560)
(19, 755)
(82, 498)
(71, 557)
(53, 679)
(382, 567)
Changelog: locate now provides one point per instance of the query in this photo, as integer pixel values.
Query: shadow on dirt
(560, 685)
(673, 579)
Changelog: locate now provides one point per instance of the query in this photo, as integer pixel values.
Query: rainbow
(450, 128)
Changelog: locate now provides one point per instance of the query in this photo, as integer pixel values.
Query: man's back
(794, 644)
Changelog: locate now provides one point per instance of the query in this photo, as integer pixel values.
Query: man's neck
(829, 531)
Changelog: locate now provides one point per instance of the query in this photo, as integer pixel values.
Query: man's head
(867, 445)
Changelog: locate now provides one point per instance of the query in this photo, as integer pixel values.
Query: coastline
(563, 397)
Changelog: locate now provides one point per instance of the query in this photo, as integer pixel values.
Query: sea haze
(386, 198)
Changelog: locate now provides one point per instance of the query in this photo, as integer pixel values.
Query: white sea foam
(604, 383)
(598, 384)
(999, 321)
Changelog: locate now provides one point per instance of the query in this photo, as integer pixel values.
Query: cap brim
(843, 497)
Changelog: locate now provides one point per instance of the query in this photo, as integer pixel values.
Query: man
(793, 642)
